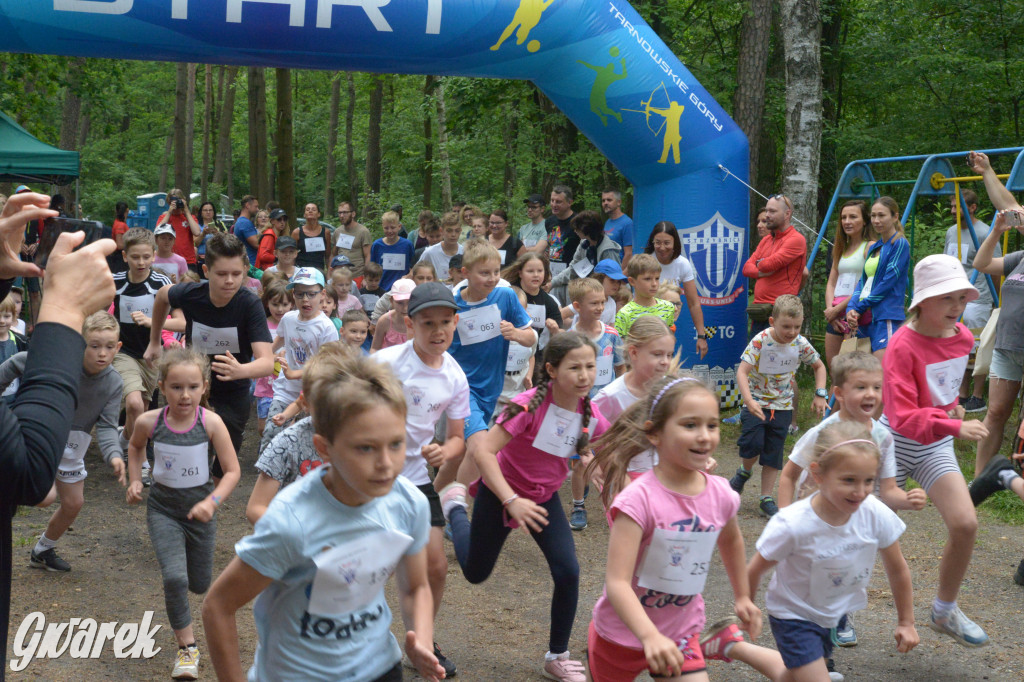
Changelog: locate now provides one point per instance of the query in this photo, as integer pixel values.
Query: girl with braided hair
(524, 459)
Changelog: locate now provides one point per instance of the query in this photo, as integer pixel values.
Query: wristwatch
(821, 393)
(702, 336)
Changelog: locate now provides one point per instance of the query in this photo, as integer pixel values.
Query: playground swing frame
(934, 179)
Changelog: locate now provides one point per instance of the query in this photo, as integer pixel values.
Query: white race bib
(841, 576)
(557, 268)
(558, 432)
(583, 267)
(846, 283)
(131, 304)
(538, 315)
(530, 243)
(605, 370)
(351, 575)
(12, 387)
(479, 324)
(865, 291)
(345, 241)
(518, 357)
(393, 261)
(214, 340)
(74, 451)
(181, 466)
(944, 379)
(677, 562)
(314, 244)
(777, 359)
(501, 252)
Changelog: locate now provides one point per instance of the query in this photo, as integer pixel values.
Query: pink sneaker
(718, 636)
(565, 670)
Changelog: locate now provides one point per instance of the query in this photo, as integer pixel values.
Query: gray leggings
(183, 548)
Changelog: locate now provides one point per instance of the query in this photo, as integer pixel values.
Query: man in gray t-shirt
(534, 234)
(977, 312)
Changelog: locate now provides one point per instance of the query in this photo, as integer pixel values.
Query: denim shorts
(800, 641)
(1007, 364)
(263, 406)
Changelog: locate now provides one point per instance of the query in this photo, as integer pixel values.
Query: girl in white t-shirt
(664, 244)
(823, 549)
(666, 526)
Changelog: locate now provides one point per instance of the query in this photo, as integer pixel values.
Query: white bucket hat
(940, 274)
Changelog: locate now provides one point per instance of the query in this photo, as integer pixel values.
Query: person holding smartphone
(186, 230)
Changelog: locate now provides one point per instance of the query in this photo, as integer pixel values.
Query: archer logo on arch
(715, 249)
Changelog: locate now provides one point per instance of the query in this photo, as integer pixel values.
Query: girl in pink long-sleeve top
(924, 365)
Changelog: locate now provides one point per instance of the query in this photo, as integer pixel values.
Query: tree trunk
(208, 104)
(257, 89)
(222, 157)
(560, 137)
(165, 161)
(71, 112)
(751, 72)
(428, 142)
(509, 134)
(832, 39)
(190, 129)
(350, 154)
(285, 143)
(800, 24)
(332, 143)
(180, 104)
(442, 149)
(373, 152)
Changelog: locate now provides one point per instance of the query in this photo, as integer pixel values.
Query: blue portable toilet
(150, 208)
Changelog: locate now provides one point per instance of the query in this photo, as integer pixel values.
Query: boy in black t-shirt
(228, 323)
(135, 292)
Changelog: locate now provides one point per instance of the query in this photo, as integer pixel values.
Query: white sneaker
(959, 627)
(186, 666)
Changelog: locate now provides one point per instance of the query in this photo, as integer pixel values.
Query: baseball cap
(610, 268)
(22, 188)
(940, 274)
(307, 276)
(278, 213)
(285, 242)
(340, 261)
(535, 199)
(431, 295)
(166, 228)
(402, 289)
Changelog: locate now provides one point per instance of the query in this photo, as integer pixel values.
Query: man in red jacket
(778, 261)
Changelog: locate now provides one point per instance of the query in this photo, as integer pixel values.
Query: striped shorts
(926, 464)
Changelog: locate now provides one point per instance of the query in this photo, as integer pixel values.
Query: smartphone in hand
(54, 227)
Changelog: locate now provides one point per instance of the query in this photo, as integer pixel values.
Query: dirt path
(498, 630)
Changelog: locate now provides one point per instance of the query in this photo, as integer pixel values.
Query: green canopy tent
(23, 158)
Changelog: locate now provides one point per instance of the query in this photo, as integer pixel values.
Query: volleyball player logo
(716, 249)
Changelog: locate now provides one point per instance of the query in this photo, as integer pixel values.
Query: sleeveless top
(312, 259)
(181, 458)
(850, 269)
(392, 337)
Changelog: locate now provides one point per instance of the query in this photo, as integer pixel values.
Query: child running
(924, 365)
(666, 526)
(182, 500)
(276, 302)
(523, 460)
(320, 556)
(823, 550)
(435, 388)
(391, 329)
(99, 400)
(644, 272)
(765, 379)
(587, 296)
(531, 272)
(355, 326)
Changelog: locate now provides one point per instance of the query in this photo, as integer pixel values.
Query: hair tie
(585, 431)
(847, 442)
(666, 387)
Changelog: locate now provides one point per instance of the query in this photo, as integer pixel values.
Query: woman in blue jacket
(883, 286)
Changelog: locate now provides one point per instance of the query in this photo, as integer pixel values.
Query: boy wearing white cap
(923, 366)
(301, 332)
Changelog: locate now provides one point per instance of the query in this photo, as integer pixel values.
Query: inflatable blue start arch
(596, 59)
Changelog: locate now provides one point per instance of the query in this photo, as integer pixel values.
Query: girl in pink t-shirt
(276, 302)
(667, 524)
(524, 460)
